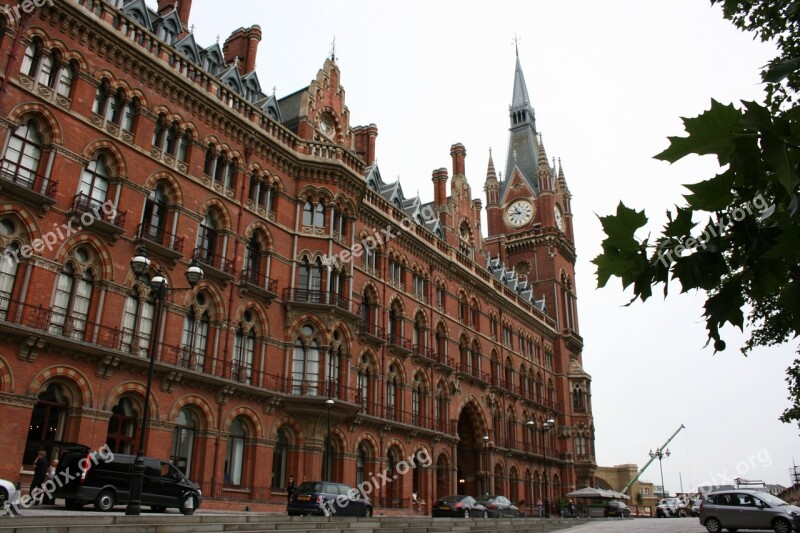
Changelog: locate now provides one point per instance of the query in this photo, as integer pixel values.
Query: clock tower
(528, 212)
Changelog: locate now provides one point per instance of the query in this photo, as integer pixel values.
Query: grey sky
(608, 81)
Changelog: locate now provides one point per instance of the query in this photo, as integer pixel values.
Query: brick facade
(113, 119)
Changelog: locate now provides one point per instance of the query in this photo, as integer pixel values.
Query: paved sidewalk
(641, 525)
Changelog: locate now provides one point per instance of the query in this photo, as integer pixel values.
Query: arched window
(94, 183)
(305, 366)
(234, 453)
(207, 239)
(8, 264)
(244, 343)
(184, 144)
(440, 411)
(420, 335)
(101, 99)
(578, 400)
(441, 344)
(154, 217)
(130, 110)
(392, 390)
(308, 213)
(137, 323)
(362, 456)
(195, 338)
(418, 410)
(309, 280)
(253, 261)
(122, 427)
(23, 156)
(48, 422)
(364, 385)
(71, 301)
(280, 456)
(319, 215)
(183, 441)
(211, 161)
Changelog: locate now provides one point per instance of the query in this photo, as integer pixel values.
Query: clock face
(326, 125)
(519, 213)
(559, 219)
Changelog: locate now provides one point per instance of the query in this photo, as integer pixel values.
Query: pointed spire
(520, 97)
(544, 173)
(491, 174)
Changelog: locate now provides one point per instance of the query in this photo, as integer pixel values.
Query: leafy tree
(737, 238)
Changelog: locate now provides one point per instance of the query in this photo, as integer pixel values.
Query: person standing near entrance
(290, 488)
(39, 474)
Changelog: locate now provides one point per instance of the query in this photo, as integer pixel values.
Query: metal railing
(27, 178)
(168, 240)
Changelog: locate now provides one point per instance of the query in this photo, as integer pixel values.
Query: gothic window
(137, 323)
(8, 264)
(280, 457)
(94, 182)
(48, 421)
(71, 300)
(194, 342)
(207, 239)
(154, 217)
(578, 399)
(305, 364)
(23, 155)
(244, 345)
(122, 427)
(234, 453)
(392, 389)
(308, 213)
(183, 441)
(417, 394)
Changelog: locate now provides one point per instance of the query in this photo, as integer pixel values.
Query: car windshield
(771, 500)
(309, 486)
(482, 499)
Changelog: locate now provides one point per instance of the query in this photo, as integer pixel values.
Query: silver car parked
(748, 509)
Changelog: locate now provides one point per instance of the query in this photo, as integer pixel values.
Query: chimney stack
(458, 153)
(365, 137)
(439, 179)
(243, 43)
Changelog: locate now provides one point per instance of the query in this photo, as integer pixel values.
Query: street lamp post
(546, 427)
(327, 459)
(660, 454)
(486, 463)
(140, 264)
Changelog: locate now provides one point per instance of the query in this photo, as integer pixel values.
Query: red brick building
(118, 130)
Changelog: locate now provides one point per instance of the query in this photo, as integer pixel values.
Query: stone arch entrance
(472, 452)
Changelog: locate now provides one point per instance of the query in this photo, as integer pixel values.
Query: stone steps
(203, 523)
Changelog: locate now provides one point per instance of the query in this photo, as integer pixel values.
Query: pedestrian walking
(39, 475)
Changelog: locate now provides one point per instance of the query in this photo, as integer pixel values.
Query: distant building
(436, 340)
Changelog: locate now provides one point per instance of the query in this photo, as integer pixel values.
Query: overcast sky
(609, 81)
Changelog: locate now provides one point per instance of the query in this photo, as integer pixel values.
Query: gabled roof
(513, 281)
(188, 47)
(138, 11)
(232, 79)
(213, 60)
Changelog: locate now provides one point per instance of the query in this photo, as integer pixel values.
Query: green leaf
(709, 133)
(712, 195)
(620, 228)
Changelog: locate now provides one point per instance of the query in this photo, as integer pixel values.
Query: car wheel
(3, 496)
(188, 504)
(713, 525)
(105, 501)
(781, 526)
(682, 513)
(367, 511)
(485, 513)
(466, 513)
(516, 514)
(158, 508)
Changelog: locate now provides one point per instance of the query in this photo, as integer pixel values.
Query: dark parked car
(498, 506)
(748, 509)
(459, 505)
(616, 508)
(106, 482)
(328, 499)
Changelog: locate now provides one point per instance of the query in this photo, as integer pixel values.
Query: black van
(87, 477)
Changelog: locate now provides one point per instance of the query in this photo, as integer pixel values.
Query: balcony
(258, 284)
(319, 300)
(443, 361)
(90, 212)
(423, 354)
(25, 184)
(160, 242)
(399, 344)
(372, 333)
(214, 265)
